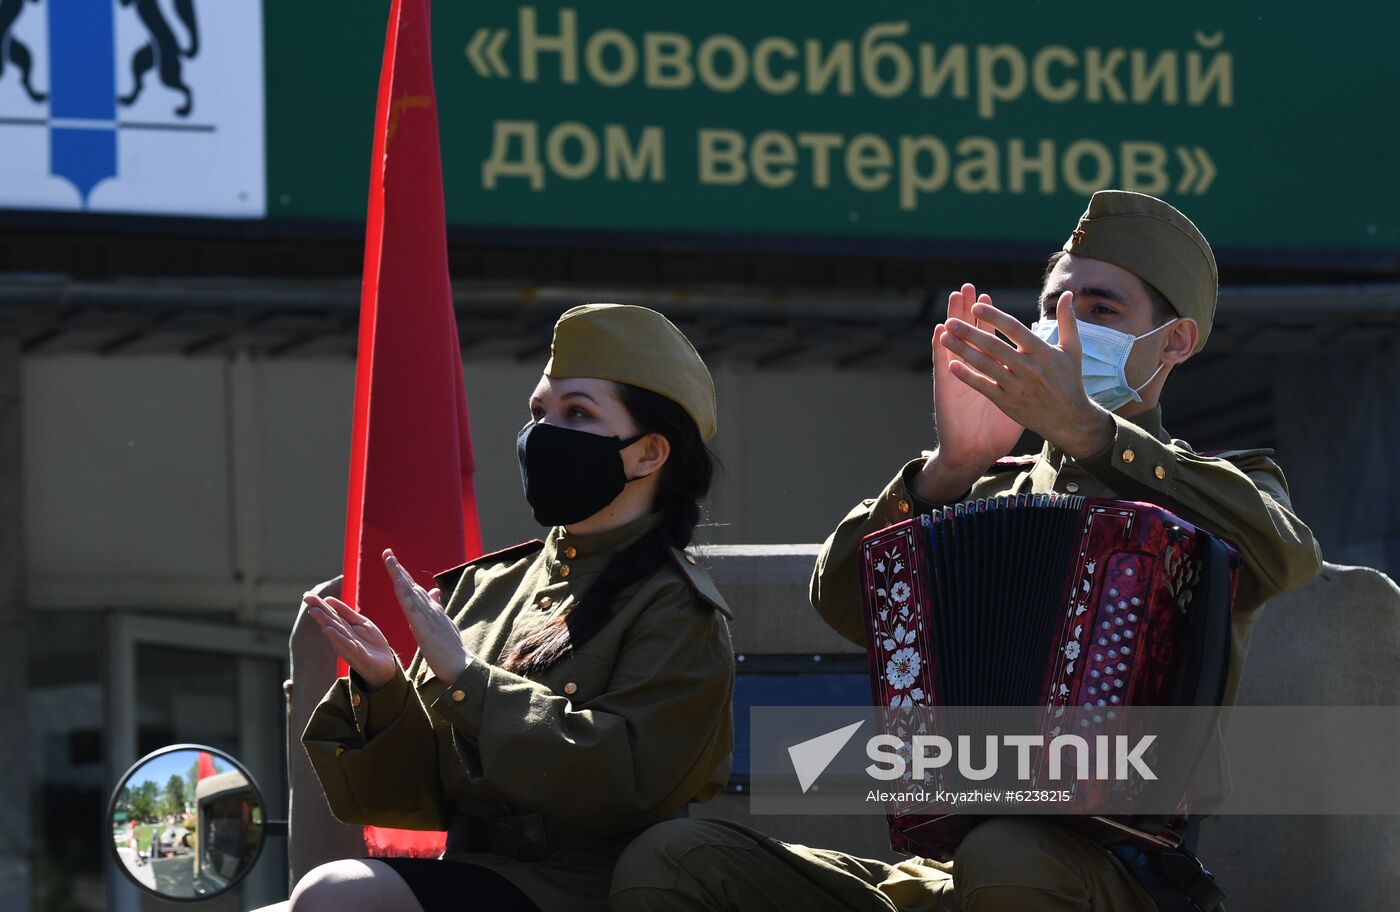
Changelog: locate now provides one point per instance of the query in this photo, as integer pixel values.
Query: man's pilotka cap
(1155, 242)
(637, 346)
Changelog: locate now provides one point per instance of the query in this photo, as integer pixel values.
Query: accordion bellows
(1044, 600)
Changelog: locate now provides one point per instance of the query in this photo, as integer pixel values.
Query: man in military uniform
(1130, 296)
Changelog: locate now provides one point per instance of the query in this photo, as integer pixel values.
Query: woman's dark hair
(685, 479)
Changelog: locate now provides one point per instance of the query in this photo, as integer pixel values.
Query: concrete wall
(1346, 416)
(217, 486)
(15, 867)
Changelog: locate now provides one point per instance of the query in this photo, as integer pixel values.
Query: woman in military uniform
(567, 693)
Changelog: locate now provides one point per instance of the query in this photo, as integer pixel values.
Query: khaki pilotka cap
(1156, 243)
(637, 346)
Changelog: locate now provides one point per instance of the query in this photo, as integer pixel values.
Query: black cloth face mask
(569, 475)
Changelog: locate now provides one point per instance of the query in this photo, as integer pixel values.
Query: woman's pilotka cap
(637, 346)
(1156, 243)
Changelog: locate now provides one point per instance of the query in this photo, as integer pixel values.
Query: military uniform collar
(570, 555)
(1150, 421)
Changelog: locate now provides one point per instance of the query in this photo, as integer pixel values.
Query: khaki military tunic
(1239, 495)
(1007, 863)
(543, 780)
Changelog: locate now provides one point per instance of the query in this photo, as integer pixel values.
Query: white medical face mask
(1105, 355)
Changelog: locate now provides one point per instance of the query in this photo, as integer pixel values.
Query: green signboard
(1269, 123)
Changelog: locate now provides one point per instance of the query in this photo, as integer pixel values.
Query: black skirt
(456, 886)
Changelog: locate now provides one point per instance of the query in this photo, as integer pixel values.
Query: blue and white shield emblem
(138, 106)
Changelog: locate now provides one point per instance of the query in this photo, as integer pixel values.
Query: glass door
(175, 681)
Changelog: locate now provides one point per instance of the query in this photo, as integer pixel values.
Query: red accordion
(1050, 601)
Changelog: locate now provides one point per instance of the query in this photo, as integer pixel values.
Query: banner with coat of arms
(133, 106)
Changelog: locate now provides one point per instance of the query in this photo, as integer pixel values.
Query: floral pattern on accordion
(896, 629)
(899, 650)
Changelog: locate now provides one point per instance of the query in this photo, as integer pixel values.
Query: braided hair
(685, 479)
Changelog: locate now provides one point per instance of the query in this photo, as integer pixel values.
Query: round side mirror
(187, 822)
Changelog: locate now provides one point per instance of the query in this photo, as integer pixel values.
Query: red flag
(206, 766)
(411, 458)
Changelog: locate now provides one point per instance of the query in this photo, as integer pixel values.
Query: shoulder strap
(700, 582)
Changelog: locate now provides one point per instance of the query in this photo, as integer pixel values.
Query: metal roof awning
(757, 326)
